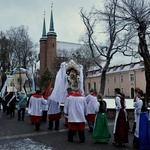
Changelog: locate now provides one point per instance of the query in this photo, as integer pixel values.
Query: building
(124, 74)
(51, 50)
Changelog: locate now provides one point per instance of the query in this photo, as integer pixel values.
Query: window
(114, 79)
(121, 67)
(108, 92)
(89, 86)
(132, 65)
(121, 78)
(131, 77)
(141, 63)
(107, 79)
(121, 90)
(115, 68)
(94, 85)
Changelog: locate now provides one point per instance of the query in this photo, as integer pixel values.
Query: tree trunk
(143, 51)
(103, 80)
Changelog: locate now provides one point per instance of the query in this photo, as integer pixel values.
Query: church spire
(51, 29)
(44, 36)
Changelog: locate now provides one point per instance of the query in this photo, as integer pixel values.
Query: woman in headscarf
(121, 123)
(101, 131)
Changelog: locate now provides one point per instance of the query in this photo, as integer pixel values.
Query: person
(29, 111)
(11, 104)
(134, 103)
(121, 123)
(22, 104)
(141, 138)
(46, 93)
(70, 92)
(76, 109)
(35, 107)
(6, 101)
(44, 113)
(91, 105)
(101, 131)
(54, 113)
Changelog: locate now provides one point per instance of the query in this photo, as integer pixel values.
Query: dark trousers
(37, 126)
(71, 133)
(12, 112)
(91, 126)
(21, 114)
(44, 116)
(134, 127)
(56, 124)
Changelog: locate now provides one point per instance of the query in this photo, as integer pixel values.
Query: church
(51, 50)
(122, 73)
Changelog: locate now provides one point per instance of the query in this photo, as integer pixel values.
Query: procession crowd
(79, 110)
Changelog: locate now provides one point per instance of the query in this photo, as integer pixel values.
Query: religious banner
(19, 78)
(10, 84)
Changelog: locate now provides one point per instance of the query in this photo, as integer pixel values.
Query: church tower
(48, 47)
(43, 48)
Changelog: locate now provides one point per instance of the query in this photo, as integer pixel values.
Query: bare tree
(22, 47)
(135, 15)
(83, 56)
(114, 41)
(4, 52)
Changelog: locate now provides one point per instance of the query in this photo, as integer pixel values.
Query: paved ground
(21, 135)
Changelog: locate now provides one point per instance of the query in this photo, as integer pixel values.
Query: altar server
(35, 107)
(76, 109)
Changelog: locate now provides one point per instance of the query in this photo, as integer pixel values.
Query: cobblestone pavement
(21, 135)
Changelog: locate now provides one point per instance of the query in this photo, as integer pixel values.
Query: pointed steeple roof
(44, 36)
(51, 22)
(51, 29)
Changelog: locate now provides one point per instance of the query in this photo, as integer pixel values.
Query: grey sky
(67, 22)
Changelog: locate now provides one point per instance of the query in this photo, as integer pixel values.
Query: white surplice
(35, 105)
(76, 108)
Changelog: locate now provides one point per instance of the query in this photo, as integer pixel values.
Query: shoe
(56, 129)
(90, 131)
(119, 145)
(123, 145)
(50, 128)
(65, 125)
(37, 129)
(70, 140)
(115, 144)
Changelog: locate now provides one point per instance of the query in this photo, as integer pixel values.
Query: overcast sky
(67, 21)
